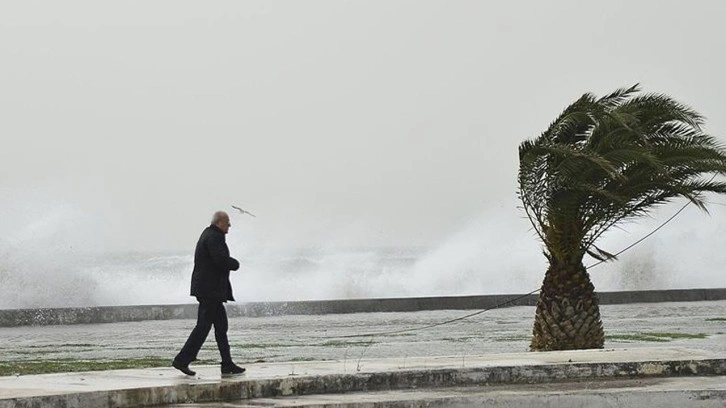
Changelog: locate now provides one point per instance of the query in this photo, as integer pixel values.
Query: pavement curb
(244, 388)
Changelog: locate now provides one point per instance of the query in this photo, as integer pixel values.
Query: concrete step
(696, 392)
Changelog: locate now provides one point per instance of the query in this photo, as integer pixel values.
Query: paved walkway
(127, 388)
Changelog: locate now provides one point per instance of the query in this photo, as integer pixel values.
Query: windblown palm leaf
(600, 162)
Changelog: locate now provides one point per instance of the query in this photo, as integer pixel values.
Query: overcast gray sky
(127, 123)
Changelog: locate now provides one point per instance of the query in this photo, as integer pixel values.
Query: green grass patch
(337, 343)
(401, 335)
(716, 319)
(654, 337)
(681, 335)
(298, 359)
(57, 346)
(67, 365)
(261, 345)
(457, 339)
(462, 339)
(634, 338)
(512, 338)
(49, 349)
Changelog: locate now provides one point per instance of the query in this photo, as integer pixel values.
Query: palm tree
(603, 161)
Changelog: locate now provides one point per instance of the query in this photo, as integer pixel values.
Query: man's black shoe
(184, 368)
(231, 370)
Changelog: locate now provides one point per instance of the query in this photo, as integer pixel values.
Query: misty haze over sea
(492, 254)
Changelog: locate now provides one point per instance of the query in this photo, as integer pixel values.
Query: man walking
(211, 286)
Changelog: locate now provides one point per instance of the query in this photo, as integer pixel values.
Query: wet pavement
(700, 325)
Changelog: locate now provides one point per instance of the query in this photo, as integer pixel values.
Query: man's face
(224, 225)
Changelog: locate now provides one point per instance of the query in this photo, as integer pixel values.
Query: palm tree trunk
(568, 312)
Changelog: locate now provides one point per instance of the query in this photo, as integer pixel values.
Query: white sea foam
(494, 253)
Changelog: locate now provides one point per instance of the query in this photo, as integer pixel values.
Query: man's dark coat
(212, 263)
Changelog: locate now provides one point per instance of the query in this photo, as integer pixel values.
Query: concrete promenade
(113, 314)
(277, 383)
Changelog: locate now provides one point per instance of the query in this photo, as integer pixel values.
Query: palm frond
(607, 160)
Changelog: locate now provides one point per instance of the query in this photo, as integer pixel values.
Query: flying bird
(243, 211)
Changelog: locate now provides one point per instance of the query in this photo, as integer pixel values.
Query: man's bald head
(220, 219)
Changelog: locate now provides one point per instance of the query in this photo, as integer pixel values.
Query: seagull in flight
(243, 211)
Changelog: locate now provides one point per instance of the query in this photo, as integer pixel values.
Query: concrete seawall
(111, 314)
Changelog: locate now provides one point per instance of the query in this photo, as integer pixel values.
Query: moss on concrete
(655, 337)
(261, 345)
(64, 365)
(512, 338)
(462, 339)
(336, 343)
(298, 359)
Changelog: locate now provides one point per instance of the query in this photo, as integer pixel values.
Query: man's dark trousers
(211, 313)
